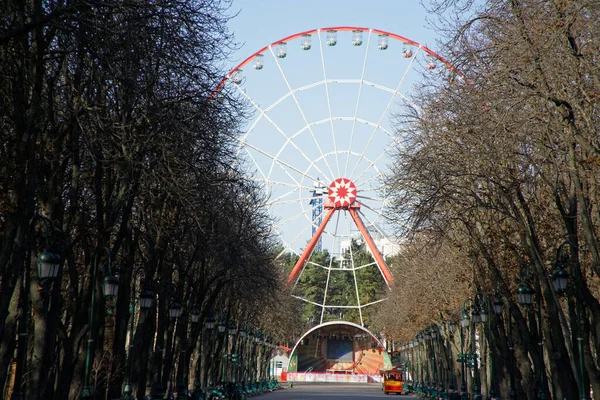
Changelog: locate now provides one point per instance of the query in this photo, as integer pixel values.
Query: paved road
(331, 391)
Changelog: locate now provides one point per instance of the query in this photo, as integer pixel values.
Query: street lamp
(525, 297)
(109, 288)
(464, 323)
(146, 302)
(525, 294)
(195, 315)
(497, 304)
(420, 366)
(437, 363)
(48, 265)
(182, 370)
(175, 310)
(452, 394)
(209, 325)
(48, 268)
(497, 307)
(559, 281)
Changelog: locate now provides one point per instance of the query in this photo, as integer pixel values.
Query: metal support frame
(353, 210)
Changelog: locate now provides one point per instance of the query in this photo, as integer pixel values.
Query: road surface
(331, 391)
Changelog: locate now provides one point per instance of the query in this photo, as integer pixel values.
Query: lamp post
(512, 394)
(110, 287)
(158, 388)
(452, 394)
(415, 345)
(525, 295)
(559, 281)
(464, 323)
(437, 362)
(209, 325)
(222, 328)
(232, 357)
(48, 266)
(182, 370)
(497, 307)
(426, 338)
(146, 302)
(480, 315)
(420, 364)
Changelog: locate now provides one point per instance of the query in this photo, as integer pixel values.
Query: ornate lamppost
(452, 393)
(146, 302)
(525, 294)
(497, 307)
(158, 389)
(48, 265)
(560, 279)
(476, 315)
(464, 324)
(182, 371)
(420, 384)
(110, 287)
(426, 337)
(209, 325)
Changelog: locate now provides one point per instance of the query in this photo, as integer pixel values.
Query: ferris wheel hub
(342, 193)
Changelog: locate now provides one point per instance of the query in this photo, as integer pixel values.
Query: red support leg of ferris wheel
(310, 247)
(387, 275)
(342, 194)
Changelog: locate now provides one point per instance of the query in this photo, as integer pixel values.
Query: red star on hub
(342, 192)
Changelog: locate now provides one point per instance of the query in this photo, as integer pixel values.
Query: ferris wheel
(326, 105)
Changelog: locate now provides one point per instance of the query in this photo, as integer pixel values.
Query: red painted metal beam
(310, 247)
(387, 275)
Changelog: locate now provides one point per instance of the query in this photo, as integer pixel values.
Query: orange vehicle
(393, 380)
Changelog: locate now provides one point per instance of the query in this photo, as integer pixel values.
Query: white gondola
(407, 52)
(431, 65)
(281, 50)
(258, 62)
(236, 76)
(357, 37)
(383, 41)
(305, 42)
(331, 38)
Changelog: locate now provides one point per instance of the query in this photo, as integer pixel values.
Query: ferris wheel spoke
(307, 300)
(385, 111)
(375, 162)
(378, 211)
(292, 218)
(262, 173)
(282, 202)
(378, 199)
(330, 177)
(360, 86)
(337, 159)
(356, 286)
(289, 139)
(379, 176)
(276, 160)
(375, 188)
(282, 196)
(373, 302)
(337, 221)
(353, 269)
(268, 181)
